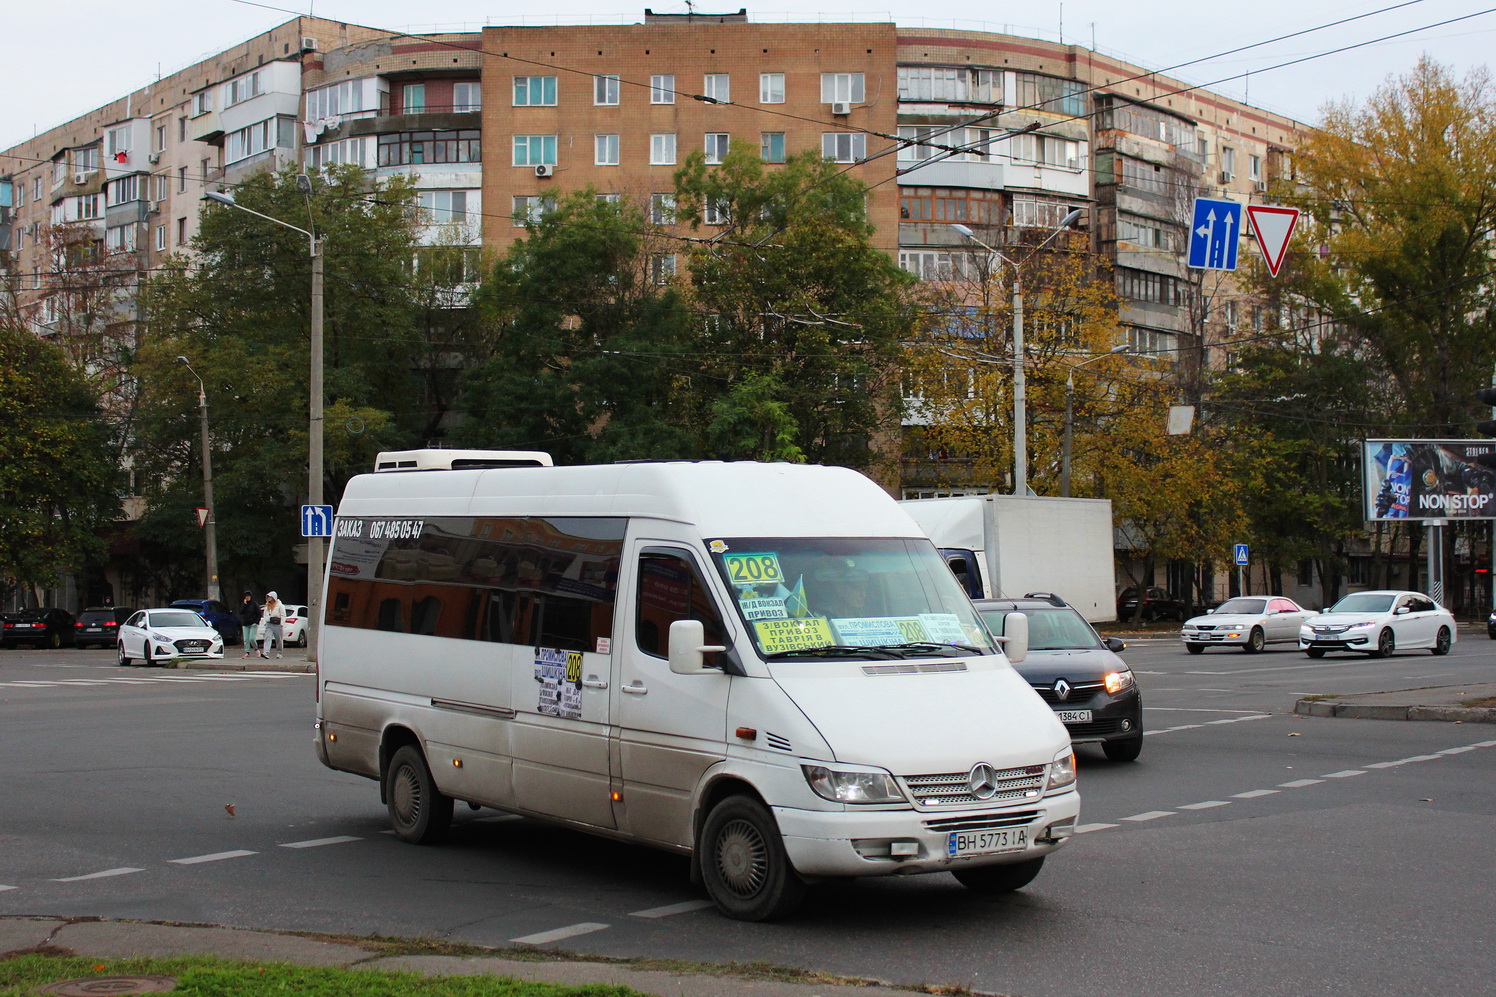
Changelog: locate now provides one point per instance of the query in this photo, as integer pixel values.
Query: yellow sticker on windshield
(775, 636)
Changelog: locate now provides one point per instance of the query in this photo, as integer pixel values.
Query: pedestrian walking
(249, 620)
(275, 611)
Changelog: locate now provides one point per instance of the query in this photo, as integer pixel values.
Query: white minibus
(766, 667)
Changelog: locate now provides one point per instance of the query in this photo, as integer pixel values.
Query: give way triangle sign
(1273, 227)
(202, 517)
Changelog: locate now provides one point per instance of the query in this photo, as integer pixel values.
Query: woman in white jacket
(275, 611)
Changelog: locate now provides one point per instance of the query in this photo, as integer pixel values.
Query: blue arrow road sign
(1241, 554)
(1214, 234)
(316, 520)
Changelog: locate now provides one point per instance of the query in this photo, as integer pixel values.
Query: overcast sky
(63, 61)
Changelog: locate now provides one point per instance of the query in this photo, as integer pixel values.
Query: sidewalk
(1474, 703)
(121, 939)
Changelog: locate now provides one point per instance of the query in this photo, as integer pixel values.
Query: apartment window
(202, 103)
(844, 147)
(124, 190)
(443, 207)
(36, 189)
(1143, 232)
(534, 150)
(181, 179)
(1254, 167)
(717, 87)
(162, 184)
(771, 88)
(181, 231)
(771, 147)
(415, 148)
(120, 239)
(530, 208)
(716, 147)
(604, 90)
(240, 90)
(1228, 160)
(842, 88)
(1144, 176)
(662, 209)
(716, 213)
(662, 89)
(662, 149)
(348, 150)
(606, 150)
(662, 267)
(117, 142)
(609, 198)
(86, 160)
(160, 138)
(1035, 212)
(914, 136)
(257, 138)
(1154, 288)
(1151, 342)
(947, 204)
(181, 129)
(934, 264)
(413, 98)
(88, 207)
(466, 97)
(1232, 316)
(534, 91)
(1047, 150)
(352, 97)
(1050, 93)
(160, 238)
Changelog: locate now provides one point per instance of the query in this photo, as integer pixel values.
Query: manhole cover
(96, 985)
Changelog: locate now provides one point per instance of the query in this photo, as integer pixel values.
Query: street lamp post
(315, 553)
(210, 527)
(1069, 413)
(1020, 383)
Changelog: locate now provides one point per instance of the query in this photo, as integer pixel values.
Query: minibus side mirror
(688, 646)
(1015, 638)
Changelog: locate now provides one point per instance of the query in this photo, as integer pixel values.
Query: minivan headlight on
(1061, 771)
(853, 785)
(1117, 681)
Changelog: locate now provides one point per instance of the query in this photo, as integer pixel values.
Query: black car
(99, 625)
(1158, 604)
(37, 627)
(1076, 672)
(219, 616)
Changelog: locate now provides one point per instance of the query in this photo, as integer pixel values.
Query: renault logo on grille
(1061, 690)
(983, 781)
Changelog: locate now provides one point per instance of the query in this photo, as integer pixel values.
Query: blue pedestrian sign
(1214, 234)
(1241, 554)
(316, 520)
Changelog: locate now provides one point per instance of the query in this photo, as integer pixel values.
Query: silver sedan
(1250, 622)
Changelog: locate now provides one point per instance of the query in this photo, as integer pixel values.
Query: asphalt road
(1248, 851)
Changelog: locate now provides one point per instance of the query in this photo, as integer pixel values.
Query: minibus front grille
(915, 668)
(954, 789)
(1015, 819)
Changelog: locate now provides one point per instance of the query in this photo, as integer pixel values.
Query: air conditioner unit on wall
(1226, 176)
(153, 158)
(545, 170)
(308, 43)
(1260, 186)
(80, 178)
(841, 108)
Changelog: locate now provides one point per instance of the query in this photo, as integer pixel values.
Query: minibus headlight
(849, 785)
(1117, 681)
(1061, 771)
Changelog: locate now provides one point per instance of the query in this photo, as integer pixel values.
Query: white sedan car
(164, 636)
(1249, 622)
(1378, 623)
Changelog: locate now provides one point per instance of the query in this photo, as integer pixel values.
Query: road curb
(1367, 711)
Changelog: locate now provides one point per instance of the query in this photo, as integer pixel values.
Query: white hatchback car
(1378, 623)
(293, 626)
(1250, 622)
(162, 636)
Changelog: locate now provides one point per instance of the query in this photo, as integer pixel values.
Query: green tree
(58, 479)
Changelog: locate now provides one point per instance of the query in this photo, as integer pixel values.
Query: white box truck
(1010, 545)
(766, 667)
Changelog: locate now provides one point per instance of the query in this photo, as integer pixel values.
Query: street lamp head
(220, 197)
(963, 230)
(183, 361)
(1072, 217)
(1121, 348)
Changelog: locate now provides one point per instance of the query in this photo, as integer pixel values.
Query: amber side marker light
(747, 733)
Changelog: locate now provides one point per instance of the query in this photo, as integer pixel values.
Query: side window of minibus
(671, 588)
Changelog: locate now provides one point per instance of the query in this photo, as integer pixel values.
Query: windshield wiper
(916, 647)
(837, 651)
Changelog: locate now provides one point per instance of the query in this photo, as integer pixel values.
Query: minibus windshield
(875, 598)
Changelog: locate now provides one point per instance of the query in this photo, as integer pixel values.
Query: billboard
(1428, 479)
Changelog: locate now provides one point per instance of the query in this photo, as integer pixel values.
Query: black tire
(419, 813)
(1442, 642)
(1123, 751)
(145, 656)
(54, 640)
(1315, 652)
(1195, 648)
(1386, 644)
(1256, 641)
(995, 880)
(301, 640)
(124, 659)
(743, 862)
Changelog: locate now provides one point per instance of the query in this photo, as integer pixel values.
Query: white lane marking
(215, 857)
(82, 682)
(1300, 783)
(3, 888)
(31, 685)
(123, 871)
(1458, 751)
(1252, 794)
(1205, 806)
(1088, 828)
(1344, 773)
(319, 842)
(571, 931)
(667, 911)
(1484, 744)
(1151, 815)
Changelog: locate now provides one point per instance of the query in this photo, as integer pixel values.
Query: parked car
(1075, 671)
(1158, 604)
(161, 636)
(293, 626)
(99, 625)
(37, 627)
(219, 616)
(1378, 623)
(1249, 622)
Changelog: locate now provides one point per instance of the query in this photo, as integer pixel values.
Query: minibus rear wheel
(419, 813)
(993, 880)
(744, 864)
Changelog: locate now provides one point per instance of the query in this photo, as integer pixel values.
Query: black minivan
(1076, 672)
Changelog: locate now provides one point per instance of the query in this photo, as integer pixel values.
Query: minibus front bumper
(910, 842)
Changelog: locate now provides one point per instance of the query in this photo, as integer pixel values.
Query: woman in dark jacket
(249, 619)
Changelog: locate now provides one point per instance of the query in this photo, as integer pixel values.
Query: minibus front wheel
(419, 813)
(747, 872)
